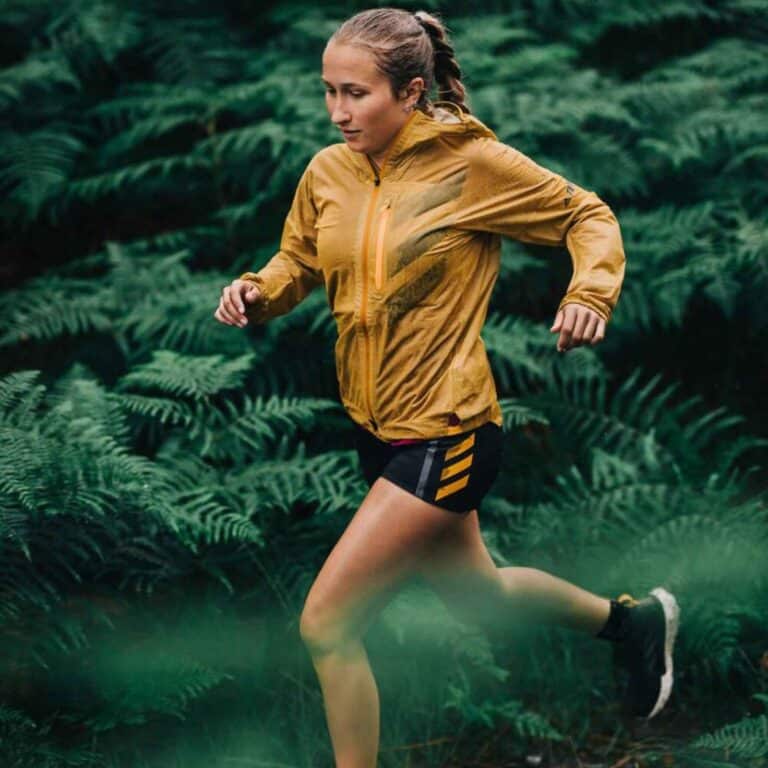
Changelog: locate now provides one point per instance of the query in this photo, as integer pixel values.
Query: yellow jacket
(409, 256)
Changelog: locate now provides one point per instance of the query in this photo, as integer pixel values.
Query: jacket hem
(429, 428)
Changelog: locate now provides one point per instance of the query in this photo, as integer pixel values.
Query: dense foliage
(170, 486)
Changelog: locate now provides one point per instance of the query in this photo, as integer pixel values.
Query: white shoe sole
(671, 624)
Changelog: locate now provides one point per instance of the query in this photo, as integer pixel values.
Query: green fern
(152, 152)
(522, 358)
(26, 743)
(748, 738)
(36, 76)
(259, 423)
(136, 686)
(522, 722)
(196, 377)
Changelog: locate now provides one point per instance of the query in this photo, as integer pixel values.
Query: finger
(564, 340)
(252, 294)
(600, 332)
(558, 322)
(240, 289)
(227, 314)
(231, 304)
(219, 315)
(589, 331)
(234, 297)
(582, 320)
(230, 318)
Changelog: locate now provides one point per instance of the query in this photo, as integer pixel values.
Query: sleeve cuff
(595, 305)
(260, 312)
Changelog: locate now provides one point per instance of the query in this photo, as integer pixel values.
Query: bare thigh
(383, 545)
(459, 568)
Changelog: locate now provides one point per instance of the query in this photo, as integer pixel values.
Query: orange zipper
(380, 244)
(364, 300)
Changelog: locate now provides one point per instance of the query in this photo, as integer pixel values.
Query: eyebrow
(345, 85)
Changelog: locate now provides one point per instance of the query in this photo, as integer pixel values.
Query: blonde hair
(407, 45)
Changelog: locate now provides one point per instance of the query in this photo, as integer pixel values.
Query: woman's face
(359, 99)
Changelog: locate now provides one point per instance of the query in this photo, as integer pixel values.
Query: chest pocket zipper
(382, 230)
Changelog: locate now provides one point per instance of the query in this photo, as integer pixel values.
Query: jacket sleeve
(293, 271)
(509, 194)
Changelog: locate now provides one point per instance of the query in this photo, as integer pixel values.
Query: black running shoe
(646, 651)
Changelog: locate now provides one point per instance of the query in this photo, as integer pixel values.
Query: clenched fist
(234, 298)
(577, 325)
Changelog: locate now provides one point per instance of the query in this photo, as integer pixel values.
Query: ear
(412, 92)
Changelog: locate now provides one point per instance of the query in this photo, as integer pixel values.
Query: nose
(339, 114)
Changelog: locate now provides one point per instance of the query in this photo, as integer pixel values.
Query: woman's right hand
(234, 299)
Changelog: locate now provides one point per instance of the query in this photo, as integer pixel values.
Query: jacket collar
(420, 128)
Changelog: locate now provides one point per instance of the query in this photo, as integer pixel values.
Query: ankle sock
(617, 625)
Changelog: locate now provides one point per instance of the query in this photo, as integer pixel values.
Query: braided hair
(407, 45)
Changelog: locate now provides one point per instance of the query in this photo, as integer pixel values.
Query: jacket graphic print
(409, 255)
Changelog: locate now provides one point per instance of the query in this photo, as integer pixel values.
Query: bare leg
(555, 600)
(460, 569)
(351, 704)
(380, 548)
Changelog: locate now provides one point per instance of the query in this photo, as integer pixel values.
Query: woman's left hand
(577, 325)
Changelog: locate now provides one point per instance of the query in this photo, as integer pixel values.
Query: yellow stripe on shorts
(464, 445)
(454, 469)
(453, 487)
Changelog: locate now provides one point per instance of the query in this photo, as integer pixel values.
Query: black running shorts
(453, 472)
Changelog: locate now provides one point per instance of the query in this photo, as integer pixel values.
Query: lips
(350, 133)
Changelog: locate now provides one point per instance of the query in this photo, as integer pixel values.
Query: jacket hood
(448, 121)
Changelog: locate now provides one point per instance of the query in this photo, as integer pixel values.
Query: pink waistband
(406, 441)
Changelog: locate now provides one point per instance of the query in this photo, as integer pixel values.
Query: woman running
(401, 222)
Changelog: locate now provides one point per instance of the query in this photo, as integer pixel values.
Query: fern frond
(580, 409)
(27, 743)
(162, 409)
(20, 398)
(136, 102)
(78, 395)
(516, 414)
(198, 518)
(522, 354)
(90, 35)
(736, 62)
(195, 50)
(197, 377)
(204, 238)
(697, 548)
(92, 189)
(37, 75)
(523, 722)
(142, 132)
(181, 318)
(42, 310)
(37, 165)
(329, 482)
(748, 738)
(257, 424)
(134, 684)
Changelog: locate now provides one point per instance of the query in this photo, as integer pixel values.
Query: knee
(320, 631)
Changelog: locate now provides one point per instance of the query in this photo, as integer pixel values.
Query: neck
(379, 159)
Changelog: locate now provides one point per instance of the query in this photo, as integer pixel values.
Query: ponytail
(446, 68)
